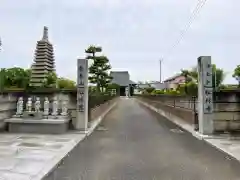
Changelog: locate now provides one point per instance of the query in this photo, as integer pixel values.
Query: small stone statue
(37, 105)
(55, 107)
(46, 107)
(64, 108)
(29, 105)
(20, 106)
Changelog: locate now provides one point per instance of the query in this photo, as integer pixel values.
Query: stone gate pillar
(205, 95)
(82, 95)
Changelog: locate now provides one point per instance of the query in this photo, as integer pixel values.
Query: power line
(193, 16)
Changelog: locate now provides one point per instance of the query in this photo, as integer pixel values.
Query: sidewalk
(33, 156)
(227, 144)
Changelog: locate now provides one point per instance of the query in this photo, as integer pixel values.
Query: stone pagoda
(43, 61)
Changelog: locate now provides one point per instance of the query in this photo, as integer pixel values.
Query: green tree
(181, 88)
(186, 74)
(236, 74)
(99, 70)
(113, 86)
(157, 92)
(149, 90)
(2, 77)
(64, 83)
(92, 50)
(218, 74)
(50, 80)
(92, 89)
(192, 88)
(15, 77)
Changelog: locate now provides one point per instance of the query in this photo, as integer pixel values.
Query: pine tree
(98, 71)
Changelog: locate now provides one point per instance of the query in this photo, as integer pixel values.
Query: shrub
(156, 92)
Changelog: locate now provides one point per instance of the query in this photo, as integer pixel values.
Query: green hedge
(98, 99)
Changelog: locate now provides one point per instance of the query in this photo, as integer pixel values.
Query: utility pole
(160, 61)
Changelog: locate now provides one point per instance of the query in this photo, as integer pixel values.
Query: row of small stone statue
(37, 106)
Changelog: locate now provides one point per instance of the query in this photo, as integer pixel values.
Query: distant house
(122, 78)
(143, 86)
(173, 82)
(156, 84)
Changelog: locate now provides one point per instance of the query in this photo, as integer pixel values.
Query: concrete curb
(49, 168)
(232, 155)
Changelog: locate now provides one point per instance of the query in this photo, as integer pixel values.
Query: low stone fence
(7, 108)
(185, 114)
(226, 115)
(94, 112)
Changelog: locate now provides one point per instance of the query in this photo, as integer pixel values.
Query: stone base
(18, 116)
(43, 126)
(33, 115)
(56, 117)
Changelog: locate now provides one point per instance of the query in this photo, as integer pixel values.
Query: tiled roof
(177, 75)
(120, 77)
(172, 78)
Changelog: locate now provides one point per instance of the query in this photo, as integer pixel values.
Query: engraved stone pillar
(82, 95)
(205, 95)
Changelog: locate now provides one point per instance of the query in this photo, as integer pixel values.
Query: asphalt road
(134, 143)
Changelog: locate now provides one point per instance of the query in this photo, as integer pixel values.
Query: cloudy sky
(134, 34)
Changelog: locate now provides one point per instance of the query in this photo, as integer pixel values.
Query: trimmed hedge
(95, 100)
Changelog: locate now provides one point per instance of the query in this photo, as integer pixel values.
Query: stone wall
(7, 108)
(226, 116)
(8, 103)
(185, 114)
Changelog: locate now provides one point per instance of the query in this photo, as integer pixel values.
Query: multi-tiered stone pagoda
(43, 62)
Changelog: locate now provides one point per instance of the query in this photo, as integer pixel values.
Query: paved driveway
(133, 143)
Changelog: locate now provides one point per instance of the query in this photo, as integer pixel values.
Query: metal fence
(185, 102)
(191, 103)
(227, 110)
